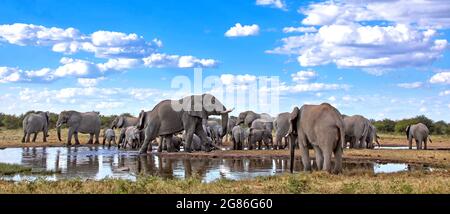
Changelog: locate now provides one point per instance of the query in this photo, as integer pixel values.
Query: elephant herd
(187, 124)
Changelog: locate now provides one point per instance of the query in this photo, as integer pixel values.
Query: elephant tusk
(227, 111)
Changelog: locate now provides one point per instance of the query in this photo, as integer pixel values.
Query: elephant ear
(142, 116)
(47, 116)
(120, 122)
(295, 115)
(193, 107)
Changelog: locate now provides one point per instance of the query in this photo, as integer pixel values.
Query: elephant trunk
(292, 139)
(224, 125)
(58, 131)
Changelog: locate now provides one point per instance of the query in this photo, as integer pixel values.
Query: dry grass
(439, 142)
(311, 183)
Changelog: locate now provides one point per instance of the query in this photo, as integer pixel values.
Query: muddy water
(99, 163)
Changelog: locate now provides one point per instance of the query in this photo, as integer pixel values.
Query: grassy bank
(11, 169)
(315, 183)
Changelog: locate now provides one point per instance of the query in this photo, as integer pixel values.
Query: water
(98, 163)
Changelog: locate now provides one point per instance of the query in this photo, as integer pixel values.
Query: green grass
(11, 169)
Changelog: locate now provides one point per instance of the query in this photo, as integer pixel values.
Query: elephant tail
(341, 136)
(429, 138)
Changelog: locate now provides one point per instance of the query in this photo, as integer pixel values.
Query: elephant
(420, 133)
(85, 123)
(123, 121)
(172, 116)
(238, 137)
(132, 137)
(262, 124)
(356, 131)
(216, 134)
(171, 144)
(281, 125)
(196, 144)
(108, 136)
(33, 124)
(231, 123)
(322, 127)
(249, 116)
(259, 136)
(372, 136)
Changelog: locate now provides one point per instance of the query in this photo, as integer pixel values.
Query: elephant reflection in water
(35, 158)
(88, 165)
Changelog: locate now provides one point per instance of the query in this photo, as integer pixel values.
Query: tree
(386, 125)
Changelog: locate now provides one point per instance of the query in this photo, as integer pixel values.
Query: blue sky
(365, 57)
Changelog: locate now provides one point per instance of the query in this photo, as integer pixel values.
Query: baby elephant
(108, 136)
(196, 144)
(259, 136)
(170, 144)
(238, 137)
(132, 137)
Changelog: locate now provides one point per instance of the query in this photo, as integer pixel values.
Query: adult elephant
(34, 123)
(248, 117)
(172, 116)
(231, 124)
(420, 133)
(281, 125)
(85, 123)
(321, 127)
(124, 121)
(356, 131)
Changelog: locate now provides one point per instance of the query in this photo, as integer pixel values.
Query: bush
(385, 125)
(107, 120)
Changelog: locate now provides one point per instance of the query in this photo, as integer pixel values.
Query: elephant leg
(418, 146)
(410, 144)
(28, 138)
(91, 139)
(45, 133)
(150, 135)
(425, 144)
(161, 144)
(34, 137)
(326, 158)
(304, 152)
(203, 137)
(104, 141)
(77, 141)
(97, 135)
(338, 163)
(69, 136)
(319, 157)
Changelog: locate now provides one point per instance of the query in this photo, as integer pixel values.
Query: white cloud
(441, 78)
(411, 85)
(123, 51)
(423, 109)
(332, 99)
(241, 31)
(280, 4)
(89, 82)
(299, 30)
(354, 45)
(444, 93)
(304, 76)
(405, 34)
(109, 105)
(9, 74)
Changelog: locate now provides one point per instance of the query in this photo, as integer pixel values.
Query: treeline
(8, 121)
(399, 126)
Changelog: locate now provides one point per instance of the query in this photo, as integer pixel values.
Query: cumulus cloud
(299, 30)
(441, 78)
(304, 76)
(242, 30)
(411, 85)
(280, 4)
(121, 51)
(348, 36)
